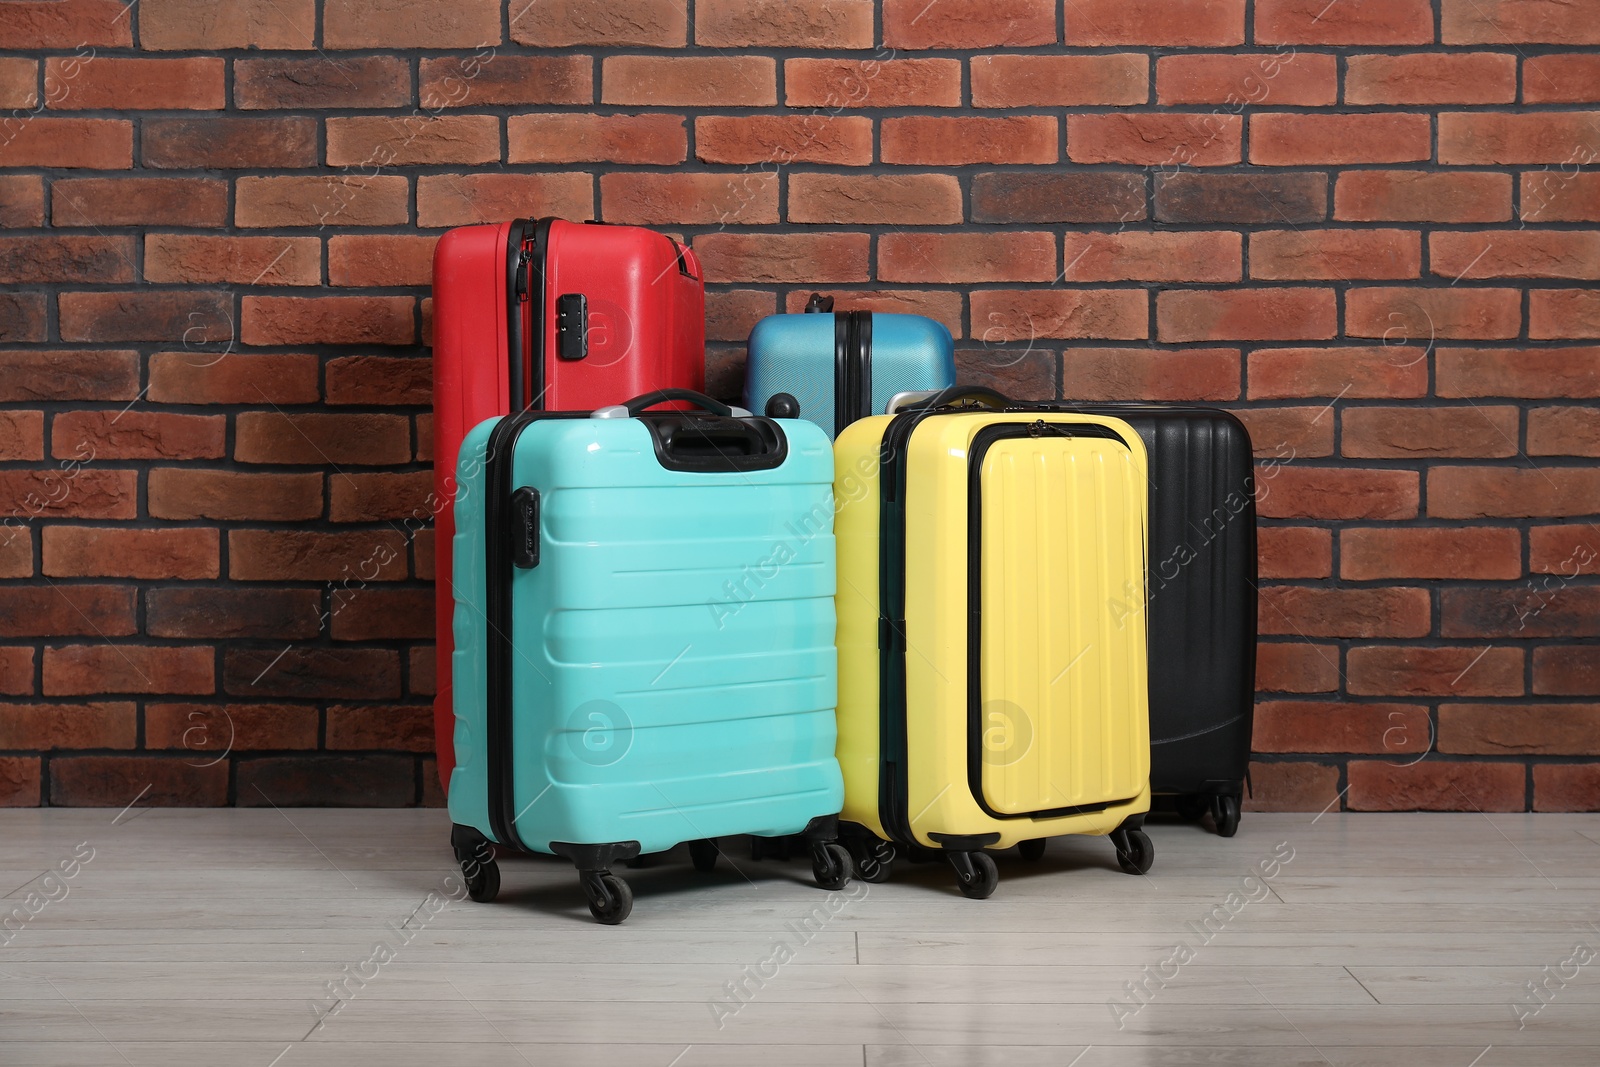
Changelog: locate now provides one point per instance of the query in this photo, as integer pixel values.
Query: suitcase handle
(818, 304)
(954, 396)
(662, 396)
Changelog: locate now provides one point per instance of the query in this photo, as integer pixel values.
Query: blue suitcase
(644, 629)
(835, 369)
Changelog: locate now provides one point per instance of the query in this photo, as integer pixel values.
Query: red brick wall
(1369, 225)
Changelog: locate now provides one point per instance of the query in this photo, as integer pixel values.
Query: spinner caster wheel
(830, 863)
(976, 874)
(872, 860)
(478, 867)
(610, 899)
(1135, 853)
(1225, 812)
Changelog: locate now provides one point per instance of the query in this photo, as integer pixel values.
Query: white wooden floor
(211, 937)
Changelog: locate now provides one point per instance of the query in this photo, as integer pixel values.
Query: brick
(851, 83)
(380, 259)
(1566, 670)
(1026, 375)
(279, 84)
(783, 139)
(1094, 374)
(1315, 726)
(378, 380)
(16, 670)
(1386, 22)
(1154, 139)
(16, 553)
(1292, 787)
(1133, 255)
(226, 142)
(1467, 138)
(1508, 492)
(1529, 372)
(45, 727)
(31, 24)
(85, 494)
(1245, 315)
(124, 84)
(1168, 23)
(382, 141)
(190, 493)
(1288, 492)
(21, 435)
(1291, 255)
(1559, 314)
(86, 144)
(1084, 196)
(1515, 254)
(1433, 785)
(145, 315)
(328, 320)
(1564, 431)
(877, 199)
(1287, 139)
(803, 258)
(138, 435)
(1279, 373)
(75, 670)
(20, 776)
(420, 670)
(1530, 610)
(1566, 787)
(19, 83)
(380, 497)
(1431, 78)
(224, 728)
(1377, 670)
(67, 610)
(730, 315)
(1296, 667)
(22, 317)
(1560, 195)
(113, 552)
(473, 81)
(1502, 22)
(571, 137)
(937, 304)
(1060, 81)
(1308, 611)
(410, 24)
(1370, 553)
(424, 438)
(1421, 196)
(1294, 552)
(690, 81)
(203, 259)
(152, 781)
(202, 378)
(371, 614)
(675, 199)
(172, 25)
(422, 550)
(1404, 314)
(931, 140)
(312, 673)
(1406, 432)
(321, 439)
(914, 24)
(562, 23)
(364, 781)
(31, 260)
(190, 202)
(836, 24)
(22, 199)
(1261, 198)
(1298, 79)
(1563, 78)
(1564, 550)
(465, 199)
(1031, 314)
(233, 613)
(355, 557)
(388, 728)
(962, 258)
(1305, 433)
(322, 200)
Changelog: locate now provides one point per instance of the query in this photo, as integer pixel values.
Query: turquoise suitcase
(644, 631)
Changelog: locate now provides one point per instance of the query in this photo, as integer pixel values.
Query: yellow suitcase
(989, 693)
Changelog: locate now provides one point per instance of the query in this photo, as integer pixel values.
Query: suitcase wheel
(1032, 851)
(830, 863)
(703, 854)
(610, 899)
(976, 873)
(1192, 807)
(1135, 853)
(478, 868)
(871, 859)
(1225, 813)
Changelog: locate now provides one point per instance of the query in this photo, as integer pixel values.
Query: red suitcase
(562, 315)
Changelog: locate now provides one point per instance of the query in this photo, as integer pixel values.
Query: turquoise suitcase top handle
(661, 396)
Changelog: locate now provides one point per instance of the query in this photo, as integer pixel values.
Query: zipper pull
(524, 529)
(524, 269)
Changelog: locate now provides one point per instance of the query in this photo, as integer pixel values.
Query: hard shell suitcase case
(1201, 603)
(555, 315)
(845, 366)
(644, 640)
(985, 698)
